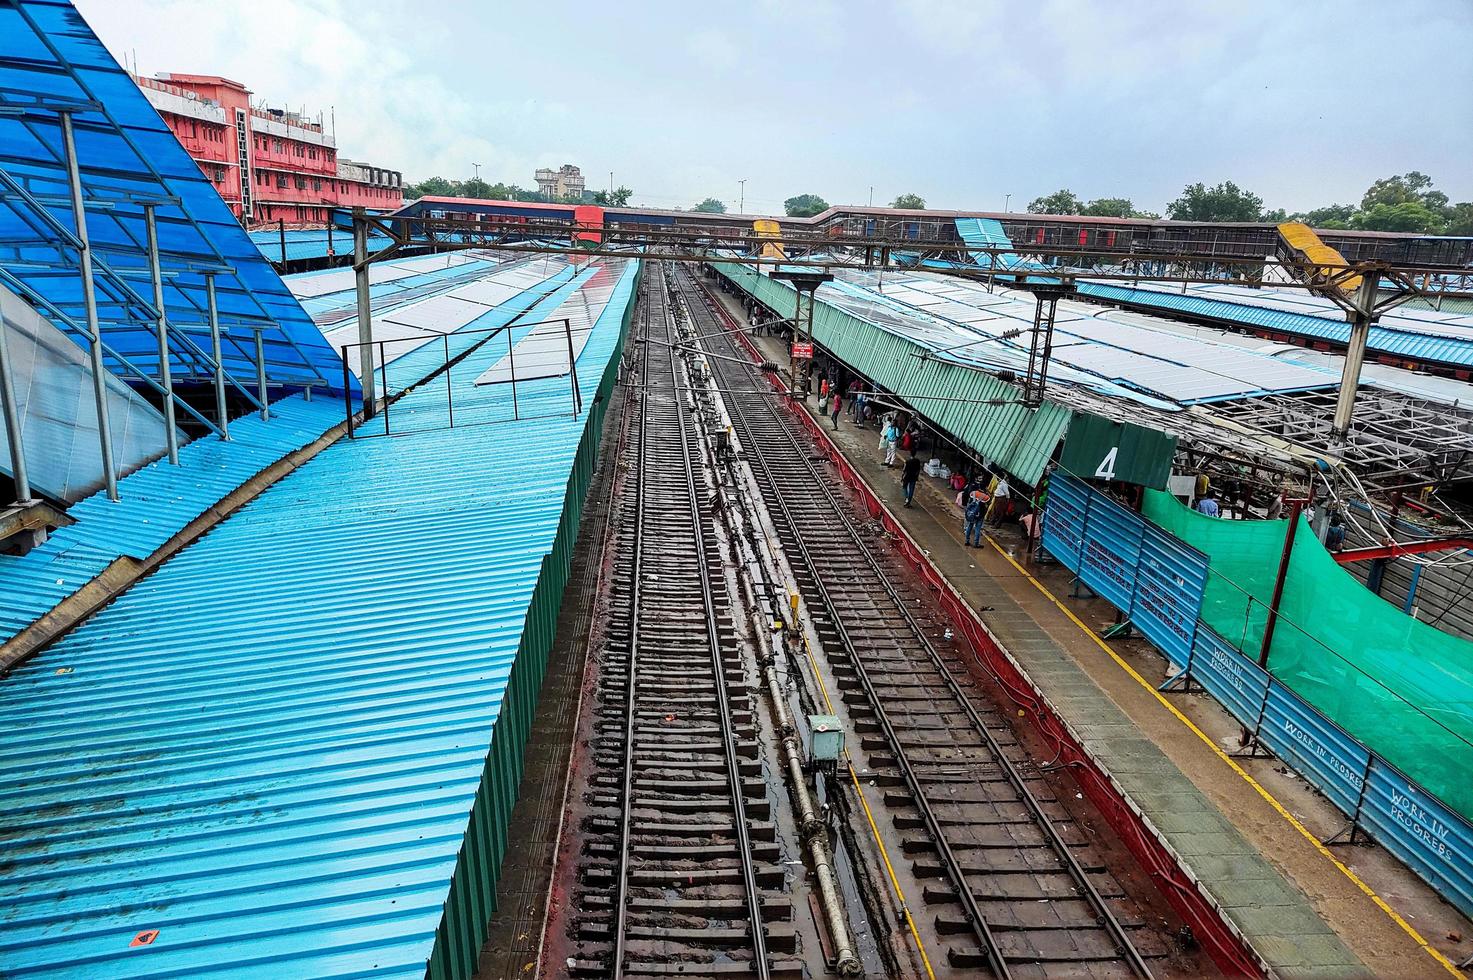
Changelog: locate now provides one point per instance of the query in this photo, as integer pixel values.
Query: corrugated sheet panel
(156, 502)
(1112, 352)
(269, 751)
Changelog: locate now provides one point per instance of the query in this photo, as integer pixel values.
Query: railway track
(1014, 885)
(680, 872)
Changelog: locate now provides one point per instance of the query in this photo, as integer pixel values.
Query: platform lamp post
(803, 280)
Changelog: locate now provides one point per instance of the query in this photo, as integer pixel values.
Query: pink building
(269, 165)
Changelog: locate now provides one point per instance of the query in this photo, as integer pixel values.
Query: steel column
(89, 302)
(573, 367)
(365, 311)
(261, 376)
(12, 420)
(214, 313)
(1355, 351)
(166, 377)
(1273, 606)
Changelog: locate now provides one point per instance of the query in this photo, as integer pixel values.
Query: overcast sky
(960, 101)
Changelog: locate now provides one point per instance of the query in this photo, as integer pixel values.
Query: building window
(316, 184)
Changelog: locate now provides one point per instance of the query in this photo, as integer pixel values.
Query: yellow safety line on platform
(1406, 926)
(874, 830)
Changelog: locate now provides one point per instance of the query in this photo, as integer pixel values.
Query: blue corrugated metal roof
(1402, 341)
(159, 499)
(989, 233)
(268, 749)
(54, 64)
(156, 502)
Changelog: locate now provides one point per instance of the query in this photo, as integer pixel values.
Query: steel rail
(621, 887)
(728, 736)
(1075, 871)
(752, 893)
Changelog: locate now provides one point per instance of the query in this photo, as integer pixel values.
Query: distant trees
(476, 188)
(1110, 207)
(1224, 202)
(1065, 201)
(710, 206)
(910, 202)
(805, 206)
(614, 199)
(1059, 202)
(472, 188)
(1404, 202)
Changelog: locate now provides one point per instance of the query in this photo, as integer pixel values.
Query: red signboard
(803, 350)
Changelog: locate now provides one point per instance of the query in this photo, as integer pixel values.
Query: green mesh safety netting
(1403, 688)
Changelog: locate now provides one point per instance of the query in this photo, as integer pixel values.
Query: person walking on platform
(837, 409)
(976, 510)
(892, 439)
(909, 476)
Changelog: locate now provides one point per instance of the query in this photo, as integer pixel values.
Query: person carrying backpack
(976, 510)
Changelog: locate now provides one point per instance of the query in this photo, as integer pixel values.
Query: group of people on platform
(984, 494)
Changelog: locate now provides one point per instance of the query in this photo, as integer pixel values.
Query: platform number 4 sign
(1106, 469)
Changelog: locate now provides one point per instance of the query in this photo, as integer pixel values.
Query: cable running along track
(1015, 896)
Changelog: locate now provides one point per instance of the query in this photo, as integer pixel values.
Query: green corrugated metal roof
(952, 396)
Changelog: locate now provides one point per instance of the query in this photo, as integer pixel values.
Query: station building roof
(269, 750)
(1112, 352)
(1421, 335)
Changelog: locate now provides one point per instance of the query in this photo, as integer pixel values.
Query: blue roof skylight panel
(125, 149)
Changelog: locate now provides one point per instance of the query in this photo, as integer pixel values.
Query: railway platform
(1247, 829)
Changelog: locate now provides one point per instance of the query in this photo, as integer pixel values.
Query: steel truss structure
(1397, 442)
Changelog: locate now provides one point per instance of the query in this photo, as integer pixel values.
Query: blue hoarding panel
(1234, 680)
(1421, 831)
(1112, 548)
(1063, 520)
(1314, 746)
(1170, 583)
(1159, 581)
